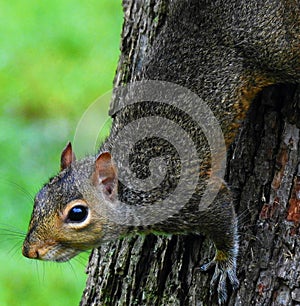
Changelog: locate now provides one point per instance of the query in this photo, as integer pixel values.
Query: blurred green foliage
(56, 58)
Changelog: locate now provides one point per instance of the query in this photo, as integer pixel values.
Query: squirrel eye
(77, 213)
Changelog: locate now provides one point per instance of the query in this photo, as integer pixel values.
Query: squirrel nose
(30, 252)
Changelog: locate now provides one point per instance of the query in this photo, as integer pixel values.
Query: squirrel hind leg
(225, 268)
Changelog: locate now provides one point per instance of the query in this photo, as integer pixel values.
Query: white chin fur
(59, 254)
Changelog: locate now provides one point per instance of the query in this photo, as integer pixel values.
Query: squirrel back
(234, 48)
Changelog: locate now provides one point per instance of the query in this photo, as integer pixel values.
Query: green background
(56, 58)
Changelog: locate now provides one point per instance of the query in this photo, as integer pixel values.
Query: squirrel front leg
(224, 262)
(224, 234)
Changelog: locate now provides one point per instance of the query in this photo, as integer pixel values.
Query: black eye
(77, 213)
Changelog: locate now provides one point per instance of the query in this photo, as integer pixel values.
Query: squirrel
(235, 49)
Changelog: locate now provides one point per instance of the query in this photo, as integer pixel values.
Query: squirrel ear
(67, 157)
(106, 174)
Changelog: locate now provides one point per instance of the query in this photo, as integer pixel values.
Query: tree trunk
(264, 172)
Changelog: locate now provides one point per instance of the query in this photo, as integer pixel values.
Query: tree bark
(264, 173)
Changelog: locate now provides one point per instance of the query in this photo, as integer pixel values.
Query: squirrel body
(238, 47)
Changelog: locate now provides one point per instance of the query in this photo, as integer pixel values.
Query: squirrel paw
(223, 269)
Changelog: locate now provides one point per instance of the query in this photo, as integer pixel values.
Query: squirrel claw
(223, 270)
(207, 266)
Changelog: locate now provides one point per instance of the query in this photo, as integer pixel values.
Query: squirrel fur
(225, 52)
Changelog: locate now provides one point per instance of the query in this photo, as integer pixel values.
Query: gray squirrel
(238, 47)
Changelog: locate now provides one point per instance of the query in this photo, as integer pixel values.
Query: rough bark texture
(263, 170)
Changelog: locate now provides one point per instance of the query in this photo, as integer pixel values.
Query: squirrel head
(69, 214)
